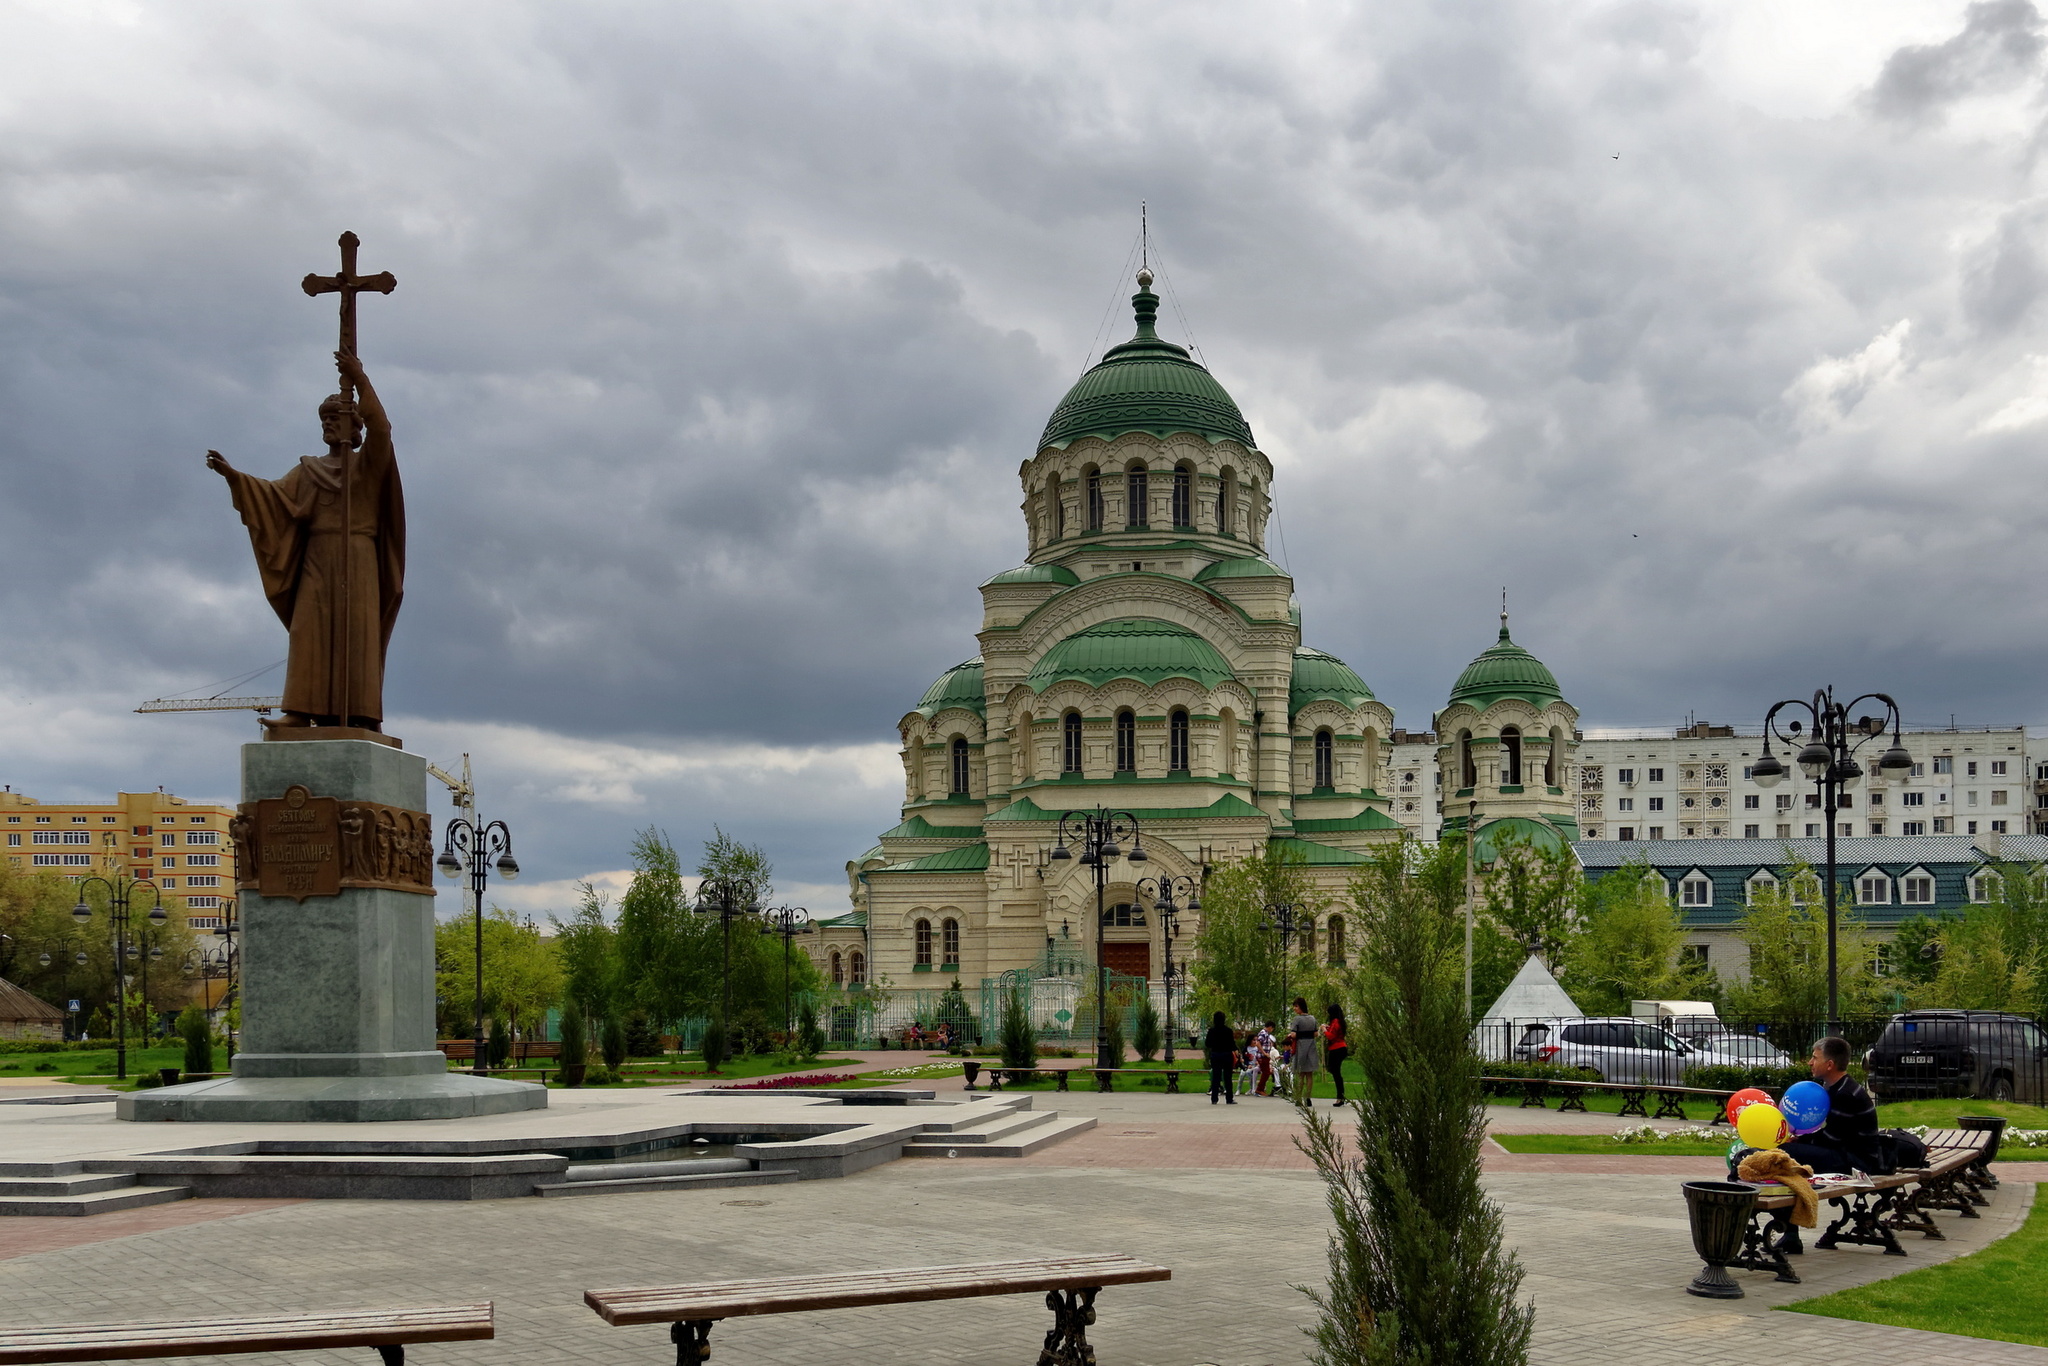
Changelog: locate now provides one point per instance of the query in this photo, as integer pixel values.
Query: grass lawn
(1902, 1114)
(1994, 1293)
(1600, 1143)
(97, 1062)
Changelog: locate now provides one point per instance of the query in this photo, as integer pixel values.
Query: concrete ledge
(286, 1100)
(259, 1176)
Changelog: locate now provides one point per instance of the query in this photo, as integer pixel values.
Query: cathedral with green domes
(1147, 657)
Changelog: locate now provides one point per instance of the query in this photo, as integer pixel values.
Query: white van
(1689, 1020)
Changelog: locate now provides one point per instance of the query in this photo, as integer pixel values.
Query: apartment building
(181, 846)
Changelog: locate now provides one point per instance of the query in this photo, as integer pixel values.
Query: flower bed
(779, 1083)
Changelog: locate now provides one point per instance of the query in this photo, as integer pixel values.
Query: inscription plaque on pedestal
(300, 845)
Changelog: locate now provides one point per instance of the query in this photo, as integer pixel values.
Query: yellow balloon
(1761, 1125)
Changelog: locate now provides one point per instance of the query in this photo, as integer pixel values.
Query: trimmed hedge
(1774, 1079)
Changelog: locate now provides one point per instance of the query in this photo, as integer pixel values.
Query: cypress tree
(1020, 1043)
(611, 1041)
(1147, 1037)
(198, 1036)
(575, 1051)
(1417, 1271)
(715, 1043)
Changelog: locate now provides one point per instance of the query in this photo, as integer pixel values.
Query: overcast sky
(1716, 331)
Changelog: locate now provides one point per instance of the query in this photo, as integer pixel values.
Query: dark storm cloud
(721, 331)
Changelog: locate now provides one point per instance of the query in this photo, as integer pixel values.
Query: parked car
(1749, 1050)
(1617, 1048)
(1986, 1053)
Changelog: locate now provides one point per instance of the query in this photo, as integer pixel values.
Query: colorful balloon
(1761, 1125)
(1748, 1095)
(1805, 1106)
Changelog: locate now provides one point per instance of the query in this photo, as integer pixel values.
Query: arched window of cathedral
(1551, 766)
(1137, 497)
(1070, 746)
(1510, 756)
(1183, 497)
(1333, 937)
(1091, 485)
(1226, 504)
(838, 970)
(924, 943)
(1326, 760)
(1177, 740)
(1468, 771)
(1126, 742)
(960, 772)
(857, 969)
(949, 942)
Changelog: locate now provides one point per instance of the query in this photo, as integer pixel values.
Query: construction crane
(461, 789)
(262, 706)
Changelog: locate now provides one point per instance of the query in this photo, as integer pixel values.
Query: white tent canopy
(1533, 995)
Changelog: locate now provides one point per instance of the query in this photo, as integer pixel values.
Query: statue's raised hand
(350, 367)
(218, 463)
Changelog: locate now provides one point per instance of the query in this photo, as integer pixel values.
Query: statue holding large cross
(329, 538)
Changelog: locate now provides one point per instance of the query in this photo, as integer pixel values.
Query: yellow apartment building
(181, 846)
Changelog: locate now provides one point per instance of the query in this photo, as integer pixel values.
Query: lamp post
(1471, 896)
(1285, 919)
(730, 897)
(120, 892)
(1828, 759)
(1162, 890)
(468, 848)
(789, 922)
(1097, 834)
(218, 961)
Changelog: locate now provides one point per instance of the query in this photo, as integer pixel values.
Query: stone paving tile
(1608, 1259)
(23, 1235)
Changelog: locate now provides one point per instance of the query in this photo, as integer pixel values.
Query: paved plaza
(1216, 1193)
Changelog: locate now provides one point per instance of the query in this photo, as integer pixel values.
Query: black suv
(1986, 1053)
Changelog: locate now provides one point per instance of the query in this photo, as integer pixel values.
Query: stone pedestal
(337, 991)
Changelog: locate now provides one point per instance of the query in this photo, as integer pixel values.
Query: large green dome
(1318, 676)
(1148, 651)
(1507, 670)
(959, 686)
(1146, 385)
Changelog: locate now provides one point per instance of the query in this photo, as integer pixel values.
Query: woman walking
(1219, 1045)
(1303, 1028)
(1336, 1050)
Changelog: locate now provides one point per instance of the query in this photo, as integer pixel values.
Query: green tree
(1237, 964)
(589, 949)
(522, 970)
(1146, 1038)
(1020, 1042)
(198, 1036)
(575, 1049)
(1418, 1272)
(1786, 932)
(668, 954)
(1916, 950)
(1627, 949)
(611, 1041)
(1536, 896)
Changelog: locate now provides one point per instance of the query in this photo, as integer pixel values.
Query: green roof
(1318, 676)
(1229, 806)
(1506, 670)
(959, 686)
(1035, 573)
(1242, 567)
(1148, 651)
(853, 920)
(1146, 385)
(1312, 854)
(1538, 834)
(918, 828)
(968, 858)
(1372, 818)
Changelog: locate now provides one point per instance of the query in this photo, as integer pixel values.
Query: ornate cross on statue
(348, 284)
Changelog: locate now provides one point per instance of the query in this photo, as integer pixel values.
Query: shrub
(497, 1046)
(714, 1043)
(611, 1042)
(575, 1049)
(641, 1039)
(1019, 1042)
(1113, 1041)
(1735, 1078)
(198, 1036)
(1147, 1039)
(810, 1039)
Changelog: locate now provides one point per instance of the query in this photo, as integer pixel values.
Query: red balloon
(1748, 1095)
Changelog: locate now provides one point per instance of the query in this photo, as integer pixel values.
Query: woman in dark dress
(1219, 1046)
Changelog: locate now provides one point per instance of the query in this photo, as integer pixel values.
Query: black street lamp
(219, 961)
(730, 897)
(120, 891)
(1285, 919)
(1828, 759)
(1098, 833)
(1162, 890)
(789, 922)
(469, 846)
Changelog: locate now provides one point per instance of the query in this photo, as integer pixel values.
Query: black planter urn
(1720, 1213)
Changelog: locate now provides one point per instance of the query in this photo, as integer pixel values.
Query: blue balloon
(1805, 1106)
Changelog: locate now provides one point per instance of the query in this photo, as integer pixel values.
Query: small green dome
(959, 686)
(1318, 676)
(1035, 573)
(1507, 670)
(1148, 651)
(1243, 567)
(1146, 385)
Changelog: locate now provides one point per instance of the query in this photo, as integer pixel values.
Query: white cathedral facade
(1147, 657)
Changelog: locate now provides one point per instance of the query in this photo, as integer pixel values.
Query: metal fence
(1928, 1054)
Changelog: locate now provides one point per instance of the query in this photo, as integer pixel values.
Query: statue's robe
(295, 527)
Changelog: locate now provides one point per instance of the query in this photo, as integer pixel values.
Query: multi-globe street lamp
(730, 897)
(468, 848)
(1163, 891)
(120, 892)
(1827, 757)
(1098, 834)
(1285, 919)
(789, 922)
(219, 961)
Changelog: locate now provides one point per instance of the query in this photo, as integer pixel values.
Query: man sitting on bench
(1848, 1141)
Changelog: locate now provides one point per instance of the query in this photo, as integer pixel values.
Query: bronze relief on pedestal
(300, 845)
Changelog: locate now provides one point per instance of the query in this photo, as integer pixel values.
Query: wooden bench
(1870, 1213)
(1014, 1076)
(387, 1330)
(1634, 1096)
(1070, 1285)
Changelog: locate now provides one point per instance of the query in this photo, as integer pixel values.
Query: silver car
(1617, 1048)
